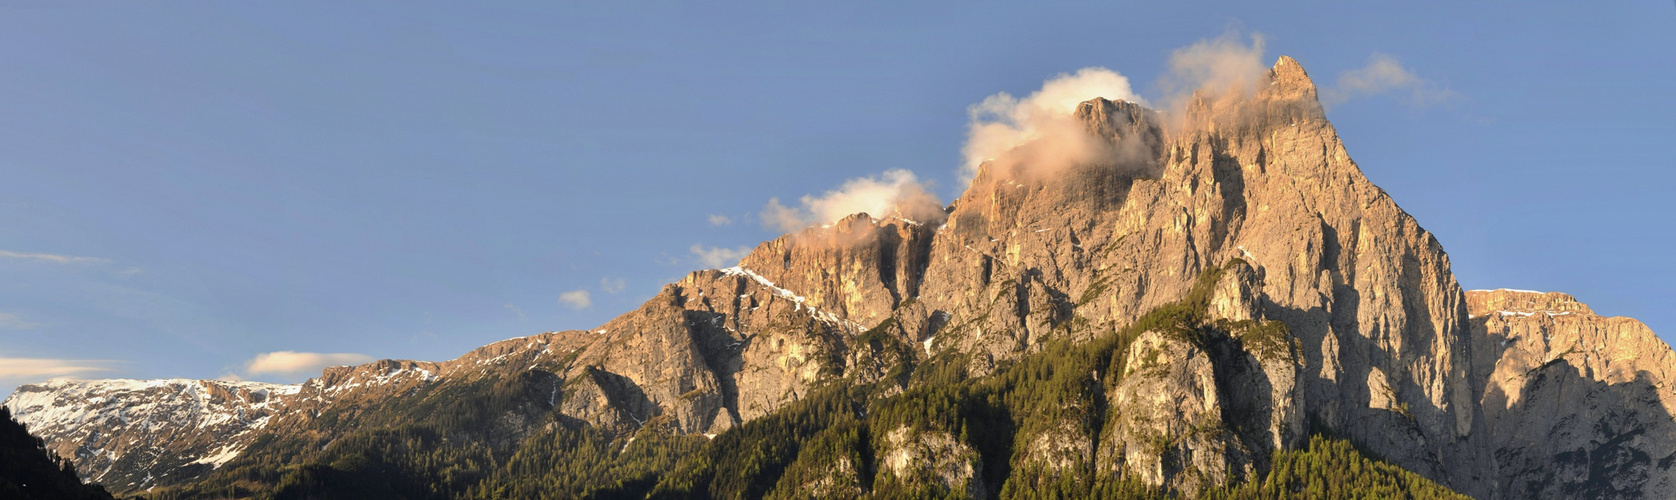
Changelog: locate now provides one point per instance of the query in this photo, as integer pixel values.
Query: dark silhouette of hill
(28, 471)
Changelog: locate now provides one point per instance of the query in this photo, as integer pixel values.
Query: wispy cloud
(10, 321)
(1383, 74)
(714, 257)
(516, 311)
(1225, 67)
(720, 220)
(576, 299)
(52, 258)
(292, 363)
(612, 285)
(45, 367)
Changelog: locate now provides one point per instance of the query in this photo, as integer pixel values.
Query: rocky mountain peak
(859, 267)
(1290, 81)
(1283, 97)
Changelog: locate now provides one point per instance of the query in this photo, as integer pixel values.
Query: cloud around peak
(1040, 131)
(1040, 135)
(895, 192)
(1223, 67)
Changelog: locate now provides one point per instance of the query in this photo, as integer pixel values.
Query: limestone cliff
(1579, 405)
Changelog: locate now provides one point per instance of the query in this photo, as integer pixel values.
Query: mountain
(131, 434)
(1222, 305)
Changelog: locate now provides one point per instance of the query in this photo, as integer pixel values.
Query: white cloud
(1039, 132)
(612, 285)
(516, 311)
(14, 322)
(294, 363)
(1382, 74)
(714, 257)
(896, 192)
(576, 299)
(43, 367)
(53, 258)
(1224, 66)
(720, 220)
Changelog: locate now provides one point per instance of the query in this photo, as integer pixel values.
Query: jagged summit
(1291, 80)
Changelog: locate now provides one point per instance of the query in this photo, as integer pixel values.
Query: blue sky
(184, 187)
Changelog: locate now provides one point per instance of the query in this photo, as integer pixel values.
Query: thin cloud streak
(300, 363)
(52, 258)
(47, 367)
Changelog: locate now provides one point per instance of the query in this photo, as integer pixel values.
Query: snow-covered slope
(122, 432)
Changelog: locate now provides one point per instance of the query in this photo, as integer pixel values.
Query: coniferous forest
(29, 471)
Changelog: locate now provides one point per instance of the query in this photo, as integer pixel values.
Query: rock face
(131, 434)
(1579, 405)
(858, 268)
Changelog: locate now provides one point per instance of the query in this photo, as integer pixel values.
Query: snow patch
(796, 299)
(1514, 290)
(222, 456)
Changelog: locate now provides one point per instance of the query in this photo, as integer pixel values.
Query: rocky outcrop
(1193, 405)
(1168, 428)
(935, 458)
(1579, 405)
